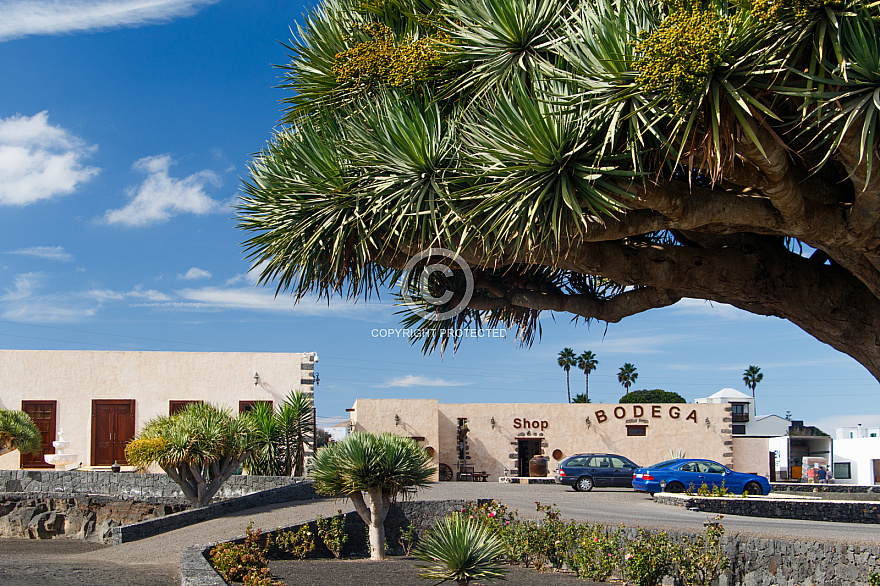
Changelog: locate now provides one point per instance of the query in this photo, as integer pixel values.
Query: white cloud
(215, 298)
(51, 17)
(160, 196)
(24, 303)
(139, 293)
(412, 380)
(659, 344)
(195, 273)
(713, 308)
(46, 252)
(39, 161)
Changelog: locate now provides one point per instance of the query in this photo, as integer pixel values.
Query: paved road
(615, 506)
(154, 561)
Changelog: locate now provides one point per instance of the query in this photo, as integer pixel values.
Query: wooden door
(526, 449)
(112, 429)
(43, 414)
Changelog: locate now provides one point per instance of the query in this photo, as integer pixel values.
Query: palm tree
(752, 376)
(566, 360)
(588, 363)
(627, 376)
(382, 466)
(199, 447)
(281, 436)
(18, 432)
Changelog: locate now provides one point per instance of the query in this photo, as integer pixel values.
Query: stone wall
(91, 518)
(126, 485)
(303, 490)
(810, 510)
(806, 487)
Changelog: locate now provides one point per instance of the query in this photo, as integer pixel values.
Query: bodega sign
(639, 411)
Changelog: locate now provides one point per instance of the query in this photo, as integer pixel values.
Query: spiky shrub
(199, 448)
(18, 432)
(382, 466)
(461, 549)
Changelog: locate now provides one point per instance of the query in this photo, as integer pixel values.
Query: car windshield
(664, 464)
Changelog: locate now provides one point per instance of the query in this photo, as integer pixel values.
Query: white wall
(860, 453)
(152, 379)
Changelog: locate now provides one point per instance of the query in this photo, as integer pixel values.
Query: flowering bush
(332, 533)
(648, 558)
(594, 556)
(700, 559)
(297, 543)
(236, 560)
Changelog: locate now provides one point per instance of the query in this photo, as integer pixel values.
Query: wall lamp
(256, 378)
(397, 420)
(708, 423)
(589, 423)
(492, 421)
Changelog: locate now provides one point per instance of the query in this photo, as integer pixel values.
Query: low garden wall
(90, 518)
(806, 487)
(808, 510)
(126, 485)
(753, 561)
(299, 491)
(195, 570)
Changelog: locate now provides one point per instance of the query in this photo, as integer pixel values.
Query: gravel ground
(397, 571)
(31, 562)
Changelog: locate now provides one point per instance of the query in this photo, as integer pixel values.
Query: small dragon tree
(383, 466)
(18, 432)
(199, 447)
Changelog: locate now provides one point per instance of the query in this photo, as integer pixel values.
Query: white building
(743, 420)
(857, 455)
(102, 399)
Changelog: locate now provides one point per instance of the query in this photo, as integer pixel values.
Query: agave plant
(199, 447)
(381, 467)
(460, 549)
(18, 432)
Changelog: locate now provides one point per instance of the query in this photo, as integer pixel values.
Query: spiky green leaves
(200, 434)
(460, 549)
(18, 432)
(363, 460)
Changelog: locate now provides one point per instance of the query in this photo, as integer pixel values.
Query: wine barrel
(538, 466)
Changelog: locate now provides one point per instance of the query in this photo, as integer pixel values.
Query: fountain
(59, 459)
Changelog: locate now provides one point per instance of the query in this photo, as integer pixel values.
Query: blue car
(682, 475)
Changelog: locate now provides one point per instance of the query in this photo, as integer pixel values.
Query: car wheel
(584, 484)
(753, 488)
(675, 487)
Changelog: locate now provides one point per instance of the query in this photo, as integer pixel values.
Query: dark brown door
(245, 406)
(527, 449)
(112, 429)
(43, 414)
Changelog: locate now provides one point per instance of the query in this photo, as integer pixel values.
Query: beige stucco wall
(415, 418)
(565, 429)
(752, 455)
(74, 378)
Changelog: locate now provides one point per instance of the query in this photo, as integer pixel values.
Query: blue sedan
(689, 474)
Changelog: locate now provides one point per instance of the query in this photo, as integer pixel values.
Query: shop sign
(527, 424)
(639, 411)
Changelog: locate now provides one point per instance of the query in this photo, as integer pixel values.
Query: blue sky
(125, 130)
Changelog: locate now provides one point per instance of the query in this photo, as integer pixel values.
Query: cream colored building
(501, 438)
(101, 399)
